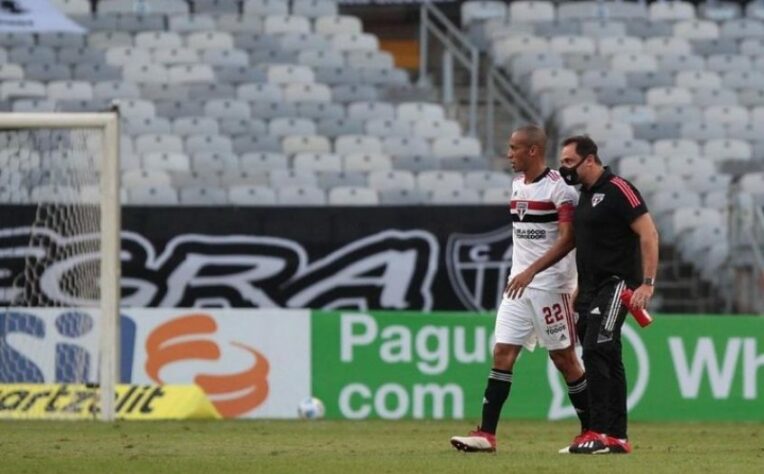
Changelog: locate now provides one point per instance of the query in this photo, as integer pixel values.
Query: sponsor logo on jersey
(597, 198)
(530, 234)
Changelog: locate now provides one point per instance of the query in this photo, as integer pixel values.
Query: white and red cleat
(476, 442)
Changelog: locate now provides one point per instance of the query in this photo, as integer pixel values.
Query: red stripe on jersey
(569, 317)
(566, 211)
(536, 205)
(626, 190)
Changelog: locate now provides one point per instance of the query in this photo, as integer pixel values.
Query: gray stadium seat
(206, 162)
(267, 110)
(248, 143)
(243, 126)
(75, 56)
(340, 126)
(244, 195)
(148, 195)
(301, 196)
(203, 196)
(47, 72)
(353, 196)
(95, 72)
(258, 162)
(403, 197)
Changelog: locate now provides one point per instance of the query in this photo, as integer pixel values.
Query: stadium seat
(145, 125)
(317, 162)
(191, 23)
(47, 72)
(497, 196)
(243, 195)
(70, 90)
(260, 92)
(263, 161)
(696, 29)
(603, 28)
(431, 180)
(158, 142)
(388, 128)
(483, 180)
(383, 180)
(447, 196)
(301, 196)
(672, 11)
(726, 149)
(292, 144)
(209, 142)
(353, 196)
(203, 196)
(330, 25)
(403, 197)
(354, 42)
(334, 127)
(437, 129)
(366, 161)
(207, 162)
(280, 24)
(307, 93)
(528, 11)
(232, 22)
(148, 195)
(265, 7)
(482, 10)
(165, 161)
(141, 177)
(314, 8)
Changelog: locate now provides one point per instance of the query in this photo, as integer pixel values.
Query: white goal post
(107, 124)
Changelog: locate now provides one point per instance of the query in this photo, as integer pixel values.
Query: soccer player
(537, 302)
(616, 247)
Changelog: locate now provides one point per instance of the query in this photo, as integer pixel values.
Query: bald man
(537, 303)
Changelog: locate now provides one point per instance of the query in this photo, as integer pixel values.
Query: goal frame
(110, 225)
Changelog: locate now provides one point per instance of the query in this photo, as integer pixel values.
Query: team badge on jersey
(522, 208)
(597, 198)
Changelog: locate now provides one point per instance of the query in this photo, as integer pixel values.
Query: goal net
(59, 264)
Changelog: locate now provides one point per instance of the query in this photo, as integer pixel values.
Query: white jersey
(537, 208)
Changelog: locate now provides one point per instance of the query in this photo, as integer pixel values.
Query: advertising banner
(391, 258)
(249, 363)
(76, 401)
(407, 365)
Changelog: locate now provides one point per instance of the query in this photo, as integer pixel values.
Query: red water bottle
(641, 315)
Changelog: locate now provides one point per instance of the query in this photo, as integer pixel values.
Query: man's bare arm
(644, 227)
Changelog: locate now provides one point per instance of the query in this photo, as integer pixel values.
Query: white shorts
(539, 316)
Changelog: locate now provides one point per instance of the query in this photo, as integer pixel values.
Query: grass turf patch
(364, 447)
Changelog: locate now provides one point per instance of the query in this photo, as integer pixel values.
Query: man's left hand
(517, 285)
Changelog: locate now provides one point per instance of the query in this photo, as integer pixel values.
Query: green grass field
(363, 447)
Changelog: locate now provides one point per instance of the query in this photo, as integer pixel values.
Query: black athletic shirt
(605, 244)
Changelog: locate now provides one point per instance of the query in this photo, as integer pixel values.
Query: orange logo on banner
(163, 348)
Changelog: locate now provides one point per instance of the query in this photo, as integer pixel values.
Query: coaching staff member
(616, 247)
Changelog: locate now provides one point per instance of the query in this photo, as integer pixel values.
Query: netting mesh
(52, 267)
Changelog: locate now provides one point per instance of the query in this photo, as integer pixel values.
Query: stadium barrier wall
(421, 258)
(390, 365)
